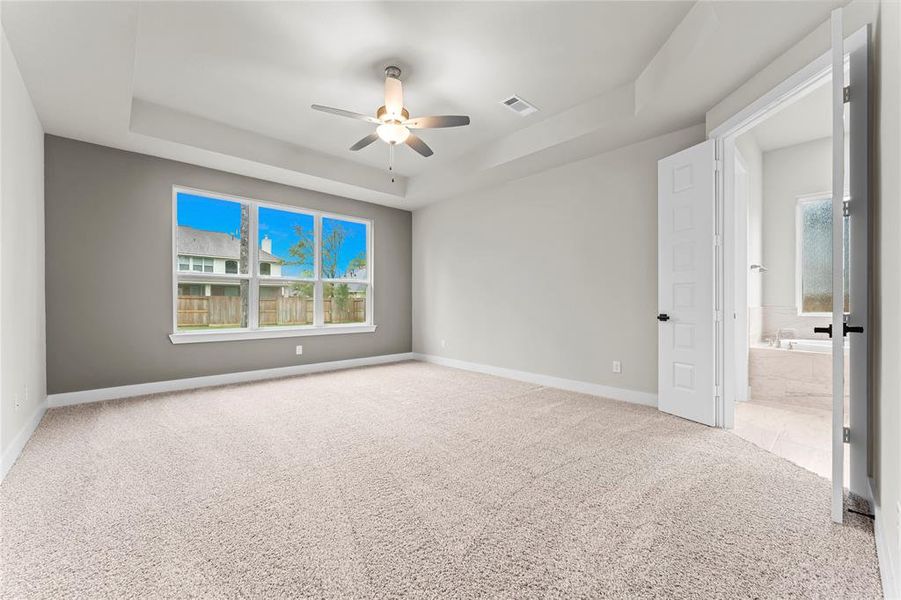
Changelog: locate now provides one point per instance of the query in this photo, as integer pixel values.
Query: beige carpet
(413, 480)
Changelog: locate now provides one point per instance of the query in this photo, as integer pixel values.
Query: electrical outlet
(444, 343)
(298, 350)
(617, 366)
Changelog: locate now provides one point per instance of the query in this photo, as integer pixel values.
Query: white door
(850, 259)
(686, 255)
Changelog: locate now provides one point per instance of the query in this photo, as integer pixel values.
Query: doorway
(789, 200)
(782, 177)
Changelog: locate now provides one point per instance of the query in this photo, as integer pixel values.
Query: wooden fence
(225, 311)
(209, 311)
(354, 311)
(286, 311)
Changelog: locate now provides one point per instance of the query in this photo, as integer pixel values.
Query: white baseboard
(571, 385)
(891, 578)
(174, 385)
(11, 454)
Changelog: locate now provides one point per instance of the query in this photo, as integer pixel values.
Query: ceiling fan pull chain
(391, 161)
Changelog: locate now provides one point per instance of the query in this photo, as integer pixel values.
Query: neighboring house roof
(199, 242)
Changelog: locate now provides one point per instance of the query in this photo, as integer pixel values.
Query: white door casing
(686, 262)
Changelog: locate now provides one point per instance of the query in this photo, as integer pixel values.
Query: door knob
(827, 330)
(846, 329)
(663, 317)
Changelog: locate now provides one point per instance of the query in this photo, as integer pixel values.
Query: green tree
(331, 247)
(302, 251)
(358, 263)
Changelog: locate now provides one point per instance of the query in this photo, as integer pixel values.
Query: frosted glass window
(815, 231)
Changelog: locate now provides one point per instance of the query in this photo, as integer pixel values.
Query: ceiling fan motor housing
(382, 114)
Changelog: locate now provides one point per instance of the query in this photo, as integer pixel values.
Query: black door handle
(663, 317)
(846, 329)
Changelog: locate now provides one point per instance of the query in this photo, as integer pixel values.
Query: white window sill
(230, 335)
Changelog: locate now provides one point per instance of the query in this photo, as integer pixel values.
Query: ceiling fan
(394, 122)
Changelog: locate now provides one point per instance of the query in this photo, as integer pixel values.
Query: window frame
(255, 278)
(799, 243)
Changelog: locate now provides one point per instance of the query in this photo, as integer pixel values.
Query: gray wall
(22, 381)
(887, 293)
(109, 276)
(553, 274)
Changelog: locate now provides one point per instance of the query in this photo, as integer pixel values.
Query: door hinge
(718, 165)
(719, 315)
(716, 239)
(846, 435)
(846, 94)
(846, 208)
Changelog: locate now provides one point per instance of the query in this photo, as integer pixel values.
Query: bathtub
(796, 373)
(802, 345)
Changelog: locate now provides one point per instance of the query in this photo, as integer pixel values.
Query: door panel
(686, 255)
(850, 175)
(838, 308)
(858, 217)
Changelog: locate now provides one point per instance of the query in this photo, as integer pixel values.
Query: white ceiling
(229, 85)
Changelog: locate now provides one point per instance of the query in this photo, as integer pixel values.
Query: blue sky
(202, 212)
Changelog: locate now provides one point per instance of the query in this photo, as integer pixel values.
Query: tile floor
(799, 434)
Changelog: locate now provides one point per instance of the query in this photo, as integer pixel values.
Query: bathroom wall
(788, 173)
(752, 159)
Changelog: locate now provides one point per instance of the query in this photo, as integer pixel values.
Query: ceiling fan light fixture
(393, 133)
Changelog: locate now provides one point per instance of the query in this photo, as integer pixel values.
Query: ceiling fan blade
(364, 142)
(345, 113)
(418, 145)
(436, 122)
(394, 96)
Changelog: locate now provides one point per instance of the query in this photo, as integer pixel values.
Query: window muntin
(814, 260)
(285, 287)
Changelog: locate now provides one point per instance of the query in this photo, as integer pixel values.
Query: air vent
(519, 106)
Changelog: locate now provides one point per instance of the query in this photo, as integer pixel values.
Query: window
(201, 264)
(814, 256)
(307, 272)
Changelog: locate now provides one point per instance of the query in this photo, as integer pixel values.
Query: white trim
(572, 385)
(791, 89)
(18, 444)
(232, 335)
(891, 577)
(174, 385)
